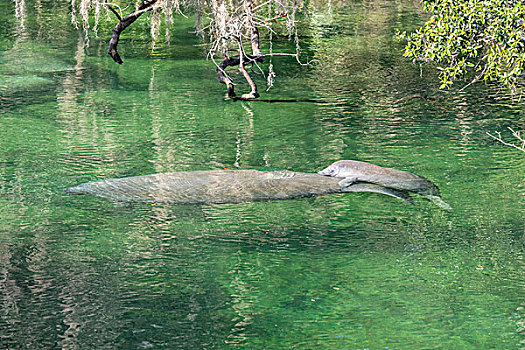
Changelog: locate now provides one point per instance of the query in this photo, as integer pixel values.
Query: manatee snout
(327, 172)
(341, 168)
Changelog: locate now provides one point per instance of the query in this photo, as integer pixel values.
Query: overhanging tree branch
(123, 24)
(243, 59)
(110, 7)
(228, 23)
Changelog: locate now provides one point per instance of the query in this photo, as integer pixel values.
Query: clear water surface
(349, 271)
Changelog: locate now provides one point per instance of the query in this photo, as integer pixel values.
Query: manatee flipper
(347, 181)
(439, 202)
(373, 188)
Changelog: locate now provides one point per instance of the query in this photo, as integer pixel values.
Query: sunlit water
(349, 271)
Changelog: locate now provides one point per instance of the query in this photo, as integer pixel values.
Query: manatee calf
(352, 172)
(223, 186)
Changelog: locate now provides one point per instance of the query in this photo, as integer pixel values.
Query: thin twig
(476, 79)
(516, 134)
(110, 7)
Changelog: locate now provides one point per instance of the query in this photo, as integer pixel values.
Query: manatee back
(214, 186)
(352, 168)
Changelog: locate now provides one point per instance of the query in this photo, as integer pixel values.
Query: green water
(348, 271)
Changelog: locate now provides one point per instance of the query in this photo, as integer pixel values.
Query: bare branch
(223, 77)
(476, 78)
(256, 56)
(123, 24)
(516, 134)
(113, 10)
(228, 24)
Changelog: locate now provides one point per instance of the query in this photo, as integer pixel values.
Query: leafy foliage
(480, 39)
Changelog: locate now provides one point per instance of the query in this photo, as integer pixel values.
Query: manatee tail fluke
(399, 194)
(439, 202)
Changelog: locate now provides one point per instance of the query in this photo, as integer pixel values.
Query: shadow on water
(297, 100)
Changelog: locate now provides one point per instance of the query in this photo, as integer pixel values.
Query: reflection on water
(340, 271)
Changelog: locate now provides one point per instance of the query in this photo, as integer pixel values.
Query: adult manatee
(352, 172)
(222, 186)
